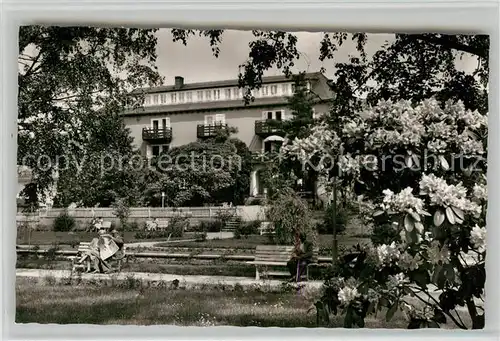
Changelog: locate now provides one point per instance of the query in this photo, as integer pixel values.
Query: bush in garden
(436, 205)
(177, 225)
(384, 234)
(247, 229)
(223, 216)
(342, 217)
(132, 226)
(64, 223)
(121, 210)
(211, 226)
(200, 236)
(290, 215)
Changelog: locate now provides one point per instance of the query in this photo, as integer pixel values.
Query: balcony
(209, 130)
(160, 135)
(265, 128)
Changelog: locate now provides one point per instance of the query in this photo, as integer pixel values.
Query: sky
(196, 63)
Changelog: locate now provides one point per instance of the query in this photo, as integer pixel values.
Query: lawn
(49, 303)
(182, 268)
(72, 238)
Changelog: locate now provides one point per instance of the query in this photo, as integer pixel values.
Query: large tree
(103, 168)
(409, 67)
(211, 171)
(68, 75)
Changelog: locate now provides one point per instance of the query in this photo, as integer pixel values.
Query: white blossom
(480, 192)
(347, 295)
(402, 201)
(396, 281)
(478, 238)
(387, 253)
(407, 261)
(442, 194)
(372, 296)
(437, 254)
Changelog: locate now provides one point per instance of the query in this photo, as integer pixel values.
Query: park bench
(84, 247)
(96, 226)
(275, 257)
(266, 228)
(159, 225)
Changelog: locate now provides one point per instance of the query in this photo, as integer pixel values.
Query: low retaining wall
(83, 216)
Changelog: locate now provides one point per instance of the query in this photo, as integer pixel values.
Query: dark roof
(224, 83)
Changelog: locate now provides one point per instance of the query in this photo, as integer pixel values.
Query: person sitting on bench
(301, 257)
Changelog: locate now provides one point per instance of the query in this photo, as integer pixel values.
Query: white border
(371, 16)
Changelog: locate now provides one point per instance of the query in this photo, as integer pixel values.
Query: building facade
(186, 112)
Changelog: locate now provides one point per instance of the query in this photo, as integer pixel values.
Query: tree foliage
(68, 75)
(198, 173)
(410, 66)
(290, 216)
(422, 173)
(101, 169)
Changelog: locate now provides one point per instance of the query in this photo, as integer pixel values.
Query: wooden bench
(274, 257)
(84, 247)
(266, 228)
(159, 225)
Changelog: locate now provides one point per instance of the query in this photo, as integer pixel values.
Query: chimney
(179, 82)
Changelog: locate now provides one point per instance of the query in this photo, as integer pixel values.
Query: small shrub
(132, 226)
(121, 210)
(131, 282)
(246, 229)
(211, 226)
(51, 253)
(64, 223)
(49, 280)
(200, 236)
(178, 224)
(384, 234)
(342, 217)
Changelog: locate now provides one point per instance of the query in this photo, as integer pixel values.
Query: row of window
(210, 95)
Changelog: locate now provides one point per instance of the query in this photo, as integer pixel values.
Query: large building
(185, 112)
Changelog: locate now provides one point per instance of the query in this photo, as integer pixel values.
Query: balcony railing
(268, 127)
(209, 130)
(160, 135)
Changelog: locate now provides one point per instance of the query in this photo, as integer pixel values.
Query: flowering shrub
(425, 179)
